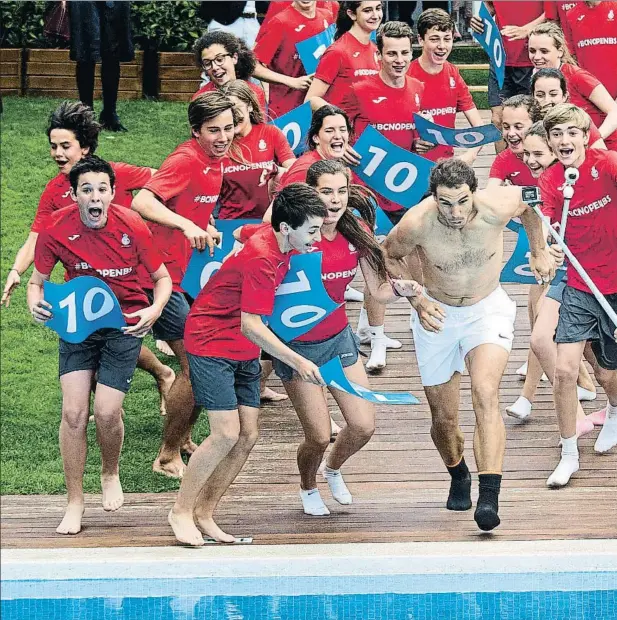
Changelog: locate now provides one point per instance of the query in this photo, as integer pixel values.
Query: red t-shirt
(387, 109)
(276, 48)
(297, 171)
(557, 11)
(112, 253)
(445, 94)
(257, 91)
(591, 231)
(508, 13)
(343, 63)
(246, 282)
(508, 167)
(594, 32)
(57, 193)
(188, 182)
(274, 8)
(245, 181)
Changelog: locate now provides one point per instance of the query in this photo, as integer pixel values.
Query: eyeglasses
(217, 60)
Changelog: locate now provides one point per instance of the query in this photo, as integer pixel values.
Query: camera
(531, 194)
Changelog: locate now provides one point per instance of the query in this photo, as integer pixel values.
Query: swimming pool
(514, 581)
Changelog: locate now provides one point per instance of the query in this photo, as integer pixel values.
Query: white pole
(579, 268)
(571, 176)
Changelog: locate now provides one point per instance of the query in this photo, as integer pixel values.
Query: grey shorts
(582, 318)
(343, 344)
(170, 325)
(221, 384)
(109, 352)
(517, 81)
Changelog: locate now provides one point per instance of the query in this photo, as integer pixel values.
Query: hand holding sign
(82, 306)
(333, 374)
(301, 300)
(393, 172)
(490, 40)
(202, 266)
(464, 138)
(311, 50)
(295, 125)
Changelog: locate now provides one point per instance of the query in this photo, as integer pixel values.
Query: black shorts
(221, 384)
(517, 81)
(111, 353)
(582, 318)
(343, 344)
(170, 325)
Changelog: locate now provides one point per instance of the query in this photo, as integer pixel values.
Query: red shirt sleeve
(611, 165)
(45, 258)
(259, 277)
(498, 169)
(268, 42)
(551, 202)
(464, 100)
(329, 65)
(149, 256)
(132, 177)
(550, 10)
(282, 150)
(43, 211)
(171, 179)
(296, 174)
(351, 105)
(594, 134)
(584, 82)
(248, 230)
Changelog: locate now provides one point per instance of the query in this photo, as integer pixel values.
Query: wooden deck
(398, 481)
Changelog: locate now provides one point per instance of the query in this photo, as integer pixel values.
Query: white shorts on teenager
(441, 354)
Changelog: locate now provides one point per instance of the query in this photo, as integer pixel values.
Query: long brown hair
(362, 200)
(240, 89)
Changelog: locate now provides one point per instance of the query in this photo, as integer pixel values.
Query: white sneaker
(522, 371)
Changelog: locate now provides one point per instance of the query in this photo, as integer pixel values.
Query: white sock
(377, 359)
(337, 485)
(568, 464)
(313, 504)
(608, 435)
(522, 371)
(352, 294)
(584, 394)
(363, 327)
(521, 409)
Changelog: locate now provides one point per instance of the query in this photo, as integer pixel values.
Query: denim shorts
(221, 384)
(343, 344)
(170, 325)
(517, 81)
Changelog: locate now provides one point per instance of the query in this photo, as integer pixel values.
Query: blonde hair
(567, 113)
(551, 29)
(240, 89)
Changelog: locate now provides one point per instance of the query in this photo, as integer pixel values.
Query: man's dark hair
(79, 118)
(92, 163)
(233, 45)
(207, 107)
(435, 18)
(394, 30)
(317, 123)
(295, 204)
(452, 173)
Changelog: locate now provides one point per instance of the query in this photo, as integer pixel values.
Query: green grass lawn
(30, 391)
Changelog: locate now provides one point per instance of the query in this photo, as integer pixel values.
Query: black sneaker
(111, 122)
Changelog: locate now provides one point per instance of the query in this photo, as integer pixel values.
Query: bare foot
(184, 529)
(270, 396)
(212, 530)
(189, 446)
(164, 385)
(172, 468)
(164, 348)
(113, 497)
(71, 522)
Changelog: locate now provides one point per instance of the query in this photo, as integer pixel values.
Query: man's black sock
(488, 502)
(459, 497)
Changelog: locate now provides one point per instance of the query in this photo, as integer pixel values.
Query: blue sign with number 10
(295, 125)
(492, 43)
(311, 50)
(464, 138)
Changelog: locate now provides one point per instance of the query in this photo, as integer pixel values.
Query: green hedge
(171, 26)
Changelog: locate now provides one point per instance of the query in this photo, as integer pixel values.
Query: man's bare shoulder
(497, 205)
(417, 218)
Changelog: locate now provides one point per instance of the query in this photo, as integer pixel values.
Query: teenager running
(224, 333)
(90, 239)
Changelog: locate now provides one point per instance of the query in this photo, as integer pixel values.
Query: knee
(105, 415)
(496, 116)
(566, 371)
(363, 430)
(248, 437)
(485, 397)
(227, 436)
(76, 418)
(318, 442)
(540, 343)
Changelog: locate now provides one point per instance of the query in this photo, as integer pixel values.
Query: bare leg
(163, 375)
(224, 434)
(181, 415)
(226, 472)
(566, 373)
(267, 394)
(496, 119)
(607, 439)
(110, 435)
(73, 444)
(534, 369)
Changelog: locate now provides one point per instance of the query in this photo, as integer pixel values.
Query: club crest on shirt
(326, 25)
(417, 98)
(452, 82)
(611, 15)
(352, 247)
(125, 241)
(594, 173)
(262, 146)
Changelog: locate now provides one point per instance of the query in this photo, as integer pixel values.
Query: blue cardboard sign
(333, 374)
(301, 301)
(465, 138)
(393, 172)
(311, 50)
(383, 225)
(492, 43)
(517, 270)
(295, 125)
(82, 306)
(202, 266)
(514, 225)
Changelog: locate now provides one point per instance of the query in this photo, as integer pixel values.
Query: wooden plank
(183, 59)
(57, 55)
(47, 82)
(9, 55)
(464, 67)
(11, 69)
(175, 96)
(478, 89)
(68, 69)
(10, 82)
(74, 94)
(178, 86)
(180, 73)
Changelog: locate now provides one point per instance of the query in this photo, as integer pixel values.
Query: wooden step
(474, 67)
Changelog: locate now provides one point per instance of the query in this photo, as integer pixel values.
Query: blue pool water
(566, 596)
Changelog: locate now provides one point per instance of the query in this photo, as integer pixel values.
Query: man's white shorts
(440, 355)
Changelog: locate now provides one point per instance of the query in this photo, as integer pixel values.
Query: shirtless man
(465, 318)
